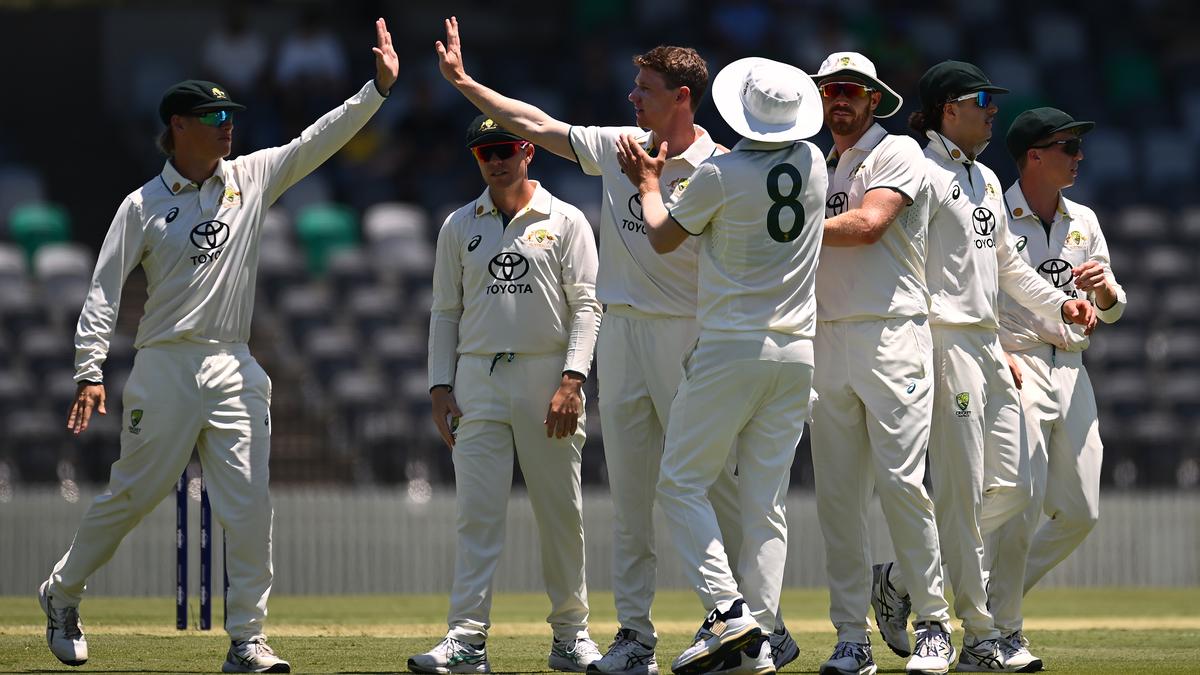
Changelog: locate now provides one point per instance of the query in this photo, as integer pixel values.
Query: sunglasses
(983, 99)
(215, 118)
(847, 89)
(1069, 145)
(502, 150)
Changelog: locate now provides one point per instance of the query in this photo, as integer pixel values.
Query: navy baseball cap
(951, 79)
(194, 96)
(484, 130)
(1032, 126)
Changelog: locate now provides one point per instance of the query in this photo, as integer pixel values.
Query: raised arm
(523, 119)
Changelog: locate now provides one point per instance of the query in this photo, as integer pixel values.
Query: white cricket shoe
(850, 658)
(721, 634)
(573, 656)
(64, 630)
(753, 659)
(783, 648)
(891, 610)
(1016, 654)
(626, 656)
(253, 656)
(984, 656)
(933, 653)
(451, 656)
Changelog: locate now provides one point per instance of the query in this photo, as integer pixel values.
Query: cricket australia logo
(508, 268)
(209, 236)
(963, 401)
(835, 205)
(135, 418)
(984, 223)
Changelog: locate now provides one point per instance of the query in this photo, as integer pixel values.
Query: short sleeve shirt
(631, 272)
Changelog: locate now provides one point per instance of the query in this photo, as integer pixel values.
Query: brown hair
(680, 67)
(166, 142)
(925, 119)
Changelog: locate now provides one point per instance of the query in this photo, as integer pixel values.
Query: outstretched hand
(450, 60)
(387, 64)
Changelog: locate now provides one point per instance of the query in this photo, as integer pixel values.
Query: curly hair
(680, 67)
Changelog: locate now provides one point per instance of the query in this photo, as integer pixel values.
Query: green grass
(1074, 631)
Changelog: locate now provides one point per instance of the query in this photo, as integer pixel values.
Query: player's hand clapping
(450, 60)
(387, 64)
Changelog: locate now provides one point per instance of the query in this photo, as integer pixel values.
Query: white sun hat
(860, 67)
(766, 100)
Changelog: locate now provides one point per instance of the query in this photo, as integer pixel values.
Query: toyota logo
(635, 206)
(508, 266)
(985, 222)
(836, 204)
(1057, 270)
(210, 234)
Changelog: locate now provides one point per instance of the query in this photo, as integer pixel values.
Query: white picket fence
(378, 541)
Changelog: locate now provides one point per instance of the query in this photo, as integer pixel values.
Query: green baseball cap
(194, 96)
(484, 130)
(951, 79)
(1032, 126)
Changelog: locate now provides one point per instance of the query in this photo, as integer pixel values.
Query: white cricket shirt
(886, 279)
(1073, 239)
(632, 273)
(198, 244)
(971, 255)
(528, 287)
(759, 212)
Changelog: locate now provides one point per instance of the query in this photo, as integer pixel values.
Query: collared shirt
(632, 273)
(525, 287)
(971, 255)
(886, 279)
(1073, 239)
(198, 244)
(759, 212)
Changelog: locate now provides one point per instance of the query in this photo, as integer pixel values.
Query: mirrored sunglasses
(1069, 145)
(983, 99)
(215, 118)
(502, 150)
(847, 89)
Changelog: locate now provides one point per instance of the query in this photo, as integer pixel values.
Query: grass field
(1074, 631)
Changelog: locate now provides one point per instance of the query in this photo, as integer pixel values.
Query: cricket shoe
(64, 630)
(626, 656)
(253, 656)
(933, 653)
(891, 610)
(783, 648)
(984, 656)
(850, 658)
(1016, 654)
(451, 656)
(573, 656)
(753, 659)
(721, 634)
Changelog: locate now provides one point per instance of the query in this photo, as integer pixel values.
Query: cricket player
(650, 315)
(980, 469)
(194, 229)
(874, 382)
(757, 214)
(1063, 241)
(511, 335)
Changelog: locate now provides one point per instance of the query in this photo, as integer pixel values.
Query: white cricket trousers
(1064, 440)
(870, 430)
(978, 461)
(180, 396)
(504, 403)
(730, 397)
(639, 367)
